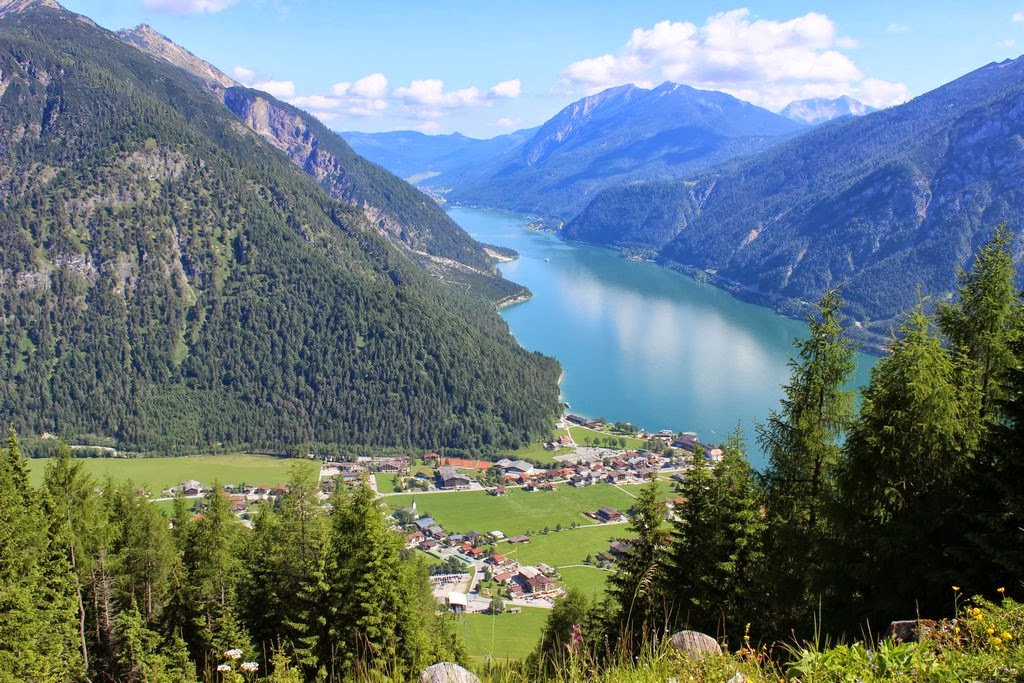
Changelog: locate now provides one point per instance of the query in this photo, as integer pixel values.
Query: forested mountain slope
(171, 280)
(406, 216)
(622, 135)
(882, 204)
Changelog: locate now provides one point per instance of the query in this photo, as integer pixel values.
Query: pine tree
(802, 442)
(716, 545)
(635, 586)
(38, 638)
(905, 461)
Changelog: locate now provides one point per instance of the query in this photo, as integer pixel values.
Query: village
(475, 569)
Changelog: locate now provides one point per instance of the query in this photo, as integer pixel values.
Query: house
(435, 531)
(425, 523)
(565, 441)
(519, 539)
(415, 537)
(504, 577)
(472, 536)
(545, 569)
(496, 559)
(428, 544)
(609, 515)
(619, 548)
(518, 467)
(458, 602)
(496, 535)
(498, 491)
(539, 585)
(451, 478)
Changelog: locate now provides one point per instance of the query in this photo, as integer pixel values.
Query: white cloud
(243, 75)
(1008, 42)
(188, 6)
(282, 89)
(430, 92)
(506, 122)
(897, 28)
(1018, 17)
(764, 61)
(429, 127)
(508, 89)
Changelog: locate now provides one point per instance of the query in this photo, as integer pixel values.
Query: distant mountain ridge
(819, 109)
(878, 204)
(430, 160)
(407, 216)
(621, 135)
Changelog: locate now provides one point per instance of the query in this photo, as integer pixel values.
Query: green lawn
(590, 580)
(385, 482)
(666, 487)
(503, 636)
(535, 452)
(581, 434)
(517, 512)
(570, 546)
(155, 474)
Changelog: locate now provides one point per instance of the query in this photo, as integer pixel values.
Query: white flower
(233, 654)
(223, 667)
(249, 667)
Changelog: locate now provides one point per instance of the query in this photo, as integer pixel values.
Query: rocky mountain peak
(145, 38)
(19, 6)
(819, 109)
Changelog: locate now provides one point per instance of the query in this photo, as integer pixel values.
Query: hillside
(882, 204)
(622, 135)
(407, 217)
(173, 281)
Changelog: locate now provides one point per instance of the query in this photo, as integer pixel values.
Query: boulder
(447, 672)
(695, 644)
(910, 630)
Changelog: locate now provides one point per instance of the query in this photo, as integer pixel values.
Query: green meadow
(156, 474)
(502, 636)
(517, 512)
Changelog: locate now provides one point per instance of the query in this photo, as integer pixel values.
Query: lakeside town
(478, 570)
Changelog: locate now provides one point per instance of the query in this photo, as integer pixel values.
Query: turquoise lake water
(641, 343)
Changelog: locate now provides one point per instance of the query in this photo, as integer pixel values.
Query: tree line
(96, 585)
(863, 515)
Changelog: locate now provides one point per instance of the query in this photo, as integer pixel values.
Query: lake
(641, 343)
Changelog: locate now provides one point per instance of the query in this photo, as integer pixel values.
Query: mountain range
(622, 135)
(174, 280)
(820, 110)
(888, 206)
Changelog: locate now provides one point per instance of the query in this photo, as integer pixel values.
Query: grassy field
(590, 580)
(503, 636)
(517, 512)
(536, 452)
(155, 474)
(581, 434)
(570, 546)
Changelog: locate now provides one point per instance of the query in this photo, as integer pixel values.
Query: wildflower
(1007, 635)
(249, 667)
(997, 641)
(223, 668)
(956, 588)
(976, 611)
(991, 631)
(1001, 590)
(233, 654)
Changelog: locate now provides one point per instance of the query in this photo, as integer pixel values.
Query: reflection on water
(639, 342)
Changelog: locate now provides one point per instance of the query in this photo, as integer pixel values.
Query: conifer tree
(635, 586)
(905, 461)
(802, 441)
(716, 545)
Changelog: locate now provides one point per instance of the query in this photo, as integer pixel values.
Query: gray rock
(447, 672)
(695, 644)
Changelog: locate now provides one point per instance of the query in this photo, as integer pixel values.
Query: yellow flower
(976, 610)
(997, 641)
(1007, 635)
(991, 631)
(1001, 589)
(956, 588)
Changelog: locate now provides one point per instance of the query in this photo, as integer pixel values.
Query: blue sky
(486, 68)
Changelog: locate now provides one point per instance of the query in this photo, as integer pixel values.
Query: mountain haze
(172, 282)
(622, 135)
(430, 160)
(403, 214)
(879, 204)
(819, 109)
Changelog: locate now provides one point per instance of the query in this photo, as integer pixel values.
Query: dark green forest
(172, 282)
